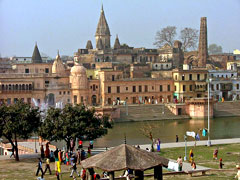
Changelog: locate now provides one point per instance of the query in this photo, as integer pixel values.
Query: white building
(224, 84)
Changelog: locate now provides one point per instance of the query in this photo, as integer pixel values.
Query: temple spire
(117, 43)
(103, 31)
(36, 57)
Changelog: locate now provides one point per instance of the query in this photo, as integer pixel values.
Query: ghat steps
(227, 109)
(147, 112)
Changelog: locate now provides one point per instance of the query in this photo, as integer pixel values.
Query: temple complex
(118, 75)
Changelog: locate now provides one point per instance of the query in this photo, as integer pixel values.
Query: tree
(19, 120)
(214, 49)
(166, 35)
(189, 38)
(147, 130)
(73, 122)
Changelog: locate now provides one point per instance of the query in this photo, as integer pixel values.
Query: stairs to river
(147, 112)
(227, 109)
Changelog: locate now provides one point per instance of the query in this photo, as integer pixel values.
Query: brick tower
(203, 45)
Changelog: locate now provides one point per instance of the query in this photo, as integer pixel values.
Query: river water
(166, 130)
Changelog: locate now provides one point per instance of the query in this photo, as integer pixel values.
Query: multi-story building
(189, 83)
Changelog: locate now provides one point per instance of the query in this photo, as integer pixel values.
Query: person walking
(78, 156)
(180, 163)
(176, 138)
(191, 155)
(220, 163)
(48, 166)
(89, 152)
(74, 168)
(215, 154)
(42, 152)
(158, 145)
(39, 167)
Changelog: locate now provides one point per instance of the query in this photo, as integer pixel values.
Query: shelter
(125, 157)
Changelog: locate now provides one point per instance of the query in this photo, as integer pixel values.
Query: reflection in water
(167, 130)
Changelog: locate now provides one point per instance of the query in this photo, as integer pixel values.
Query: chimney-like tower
(203, 45)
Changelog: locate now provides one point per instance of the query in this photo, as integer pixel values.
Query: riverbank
(26, 168)
(152, 112)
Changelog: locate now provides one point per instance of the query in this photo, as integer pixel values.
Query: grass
(26, 168)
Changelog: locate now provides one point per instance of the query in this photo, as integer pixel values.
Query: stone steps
(147, 112)
(227, 109)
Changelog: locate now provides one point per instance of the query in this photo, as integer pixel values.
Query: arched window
(30, 87)
(23, 87)
(16, 86)
(26, 86)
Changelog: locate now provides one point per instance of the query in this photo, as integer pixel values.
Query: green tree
(214, 49)
(73, 122)
(17, 121)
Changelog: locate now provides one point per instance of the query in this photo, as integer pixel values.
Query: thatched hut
(125, 157)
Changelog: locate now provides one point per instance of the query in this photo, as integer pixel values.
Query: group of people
(193, 164)
(61, 157)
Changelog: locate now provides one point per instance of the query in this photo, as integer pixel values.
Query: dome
(58, 66)
(78, 69)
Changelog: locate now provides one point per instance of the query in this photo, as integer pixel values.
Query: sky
(66, 25)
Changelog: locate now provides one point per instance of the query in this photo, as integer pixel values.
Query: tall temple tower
(103, 32)
(203, 45)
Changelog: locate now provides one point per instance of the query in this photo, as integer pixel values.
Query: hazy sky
(68, 24)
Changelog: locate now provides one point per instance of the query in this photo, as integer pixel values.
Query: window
(190, 88)
(183, 77)
(26, 70)
(46, 83)
(68, 100)
(169, 87)
(68, 92)
(139, 88)
(118, 89)
(15, 100)
(217, 87)
(146, 88)
(39, 101)
(46, 70)
(134, 89)
(81, 99)
(75, 99)
(64, 92)
(175, 88)
(60, 92)
(8, 101)
(160, 87)
(198, 77)
(152, 87)
(126, 88)
(113, 77)
(109, 89)
(94, 87)
(205, 76)
(184, 88)
(212, 87)
(237, 86)
(190, 77)
(175, 77)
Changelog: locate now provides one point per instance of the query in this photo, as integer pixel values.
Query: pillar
(91, 173)
(139, 175)
(158, 173)
(111, 175)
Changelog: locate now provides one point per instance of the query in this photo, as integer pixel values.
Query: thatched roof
(124, 157)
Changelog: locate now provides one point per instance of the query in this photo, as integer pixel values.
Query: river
(166, 130)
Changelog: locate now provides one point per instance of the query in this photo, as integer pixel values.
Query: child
(193, 164)
(220, 163)
(74, 168)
